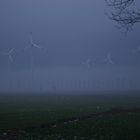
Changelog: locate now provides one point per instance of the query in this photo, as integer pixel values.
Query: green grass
(122, 127)
(25, 110)
(20, 111)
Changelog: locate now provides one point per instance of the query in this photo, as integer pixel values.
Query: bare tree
(124, 13)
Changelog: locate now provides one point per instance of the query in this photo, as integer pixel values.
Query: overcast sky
(70, 32)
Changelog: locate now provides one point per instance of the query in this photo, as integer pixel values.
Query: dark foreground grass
(18, 112)
(113, 127)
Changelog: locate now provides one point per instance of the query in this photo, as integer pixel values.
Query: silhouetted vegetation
(124, 13)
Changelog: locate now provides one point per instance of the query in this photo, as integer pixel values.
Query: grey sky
(70, 32)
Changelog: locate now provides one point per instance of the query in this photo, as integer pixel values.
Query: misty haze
(67, 65)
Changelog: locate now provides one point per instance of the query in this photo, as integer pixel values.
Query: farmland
(102, 115)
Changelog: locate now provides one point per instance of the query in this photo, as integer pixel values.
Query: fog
(69, 33)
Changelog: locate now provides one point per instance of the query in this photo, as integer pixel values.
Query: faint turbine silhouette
(88, 63)
(9, 54)
(109, 59)
(32, 44)
(10, 59)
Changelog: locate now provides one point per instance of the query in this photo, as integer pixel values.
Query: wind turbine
(9, 55)
(109, 59)
(10, 59)
(32, 45)
(88, 62)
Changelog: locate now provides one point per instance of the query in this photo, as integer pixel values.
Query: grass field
(48, 116)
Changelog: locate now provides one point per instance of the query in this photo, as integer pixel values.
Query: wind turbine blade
(32, 42)
(88, 61)
(11, 50)
(35, 45)
(10, 58)
(111, 61)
